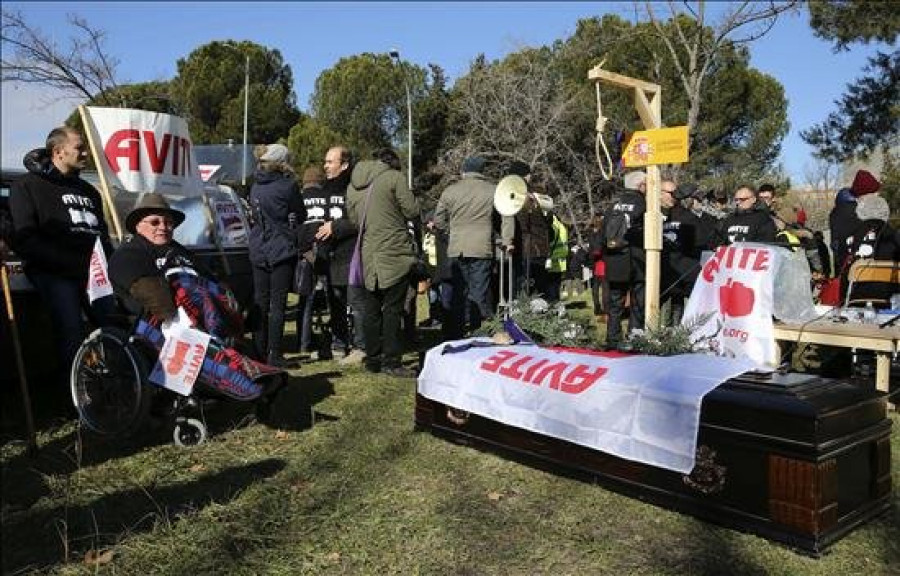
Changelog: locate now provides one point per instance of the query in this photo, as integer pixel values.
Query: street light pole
(395, 54)
(246, 105)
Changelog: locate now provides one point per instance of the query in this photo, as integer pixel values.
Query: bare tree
(519, 110)
(693, 51)
(83, 69)
(821, 174)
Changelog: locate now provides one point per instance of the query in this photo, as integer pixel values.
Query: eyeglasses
(157, 221)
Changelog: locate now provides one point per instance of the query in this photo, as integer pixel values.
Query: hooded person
(277, 208)
(842, 221)
(380, 204)
(873, 239)
(57, 218)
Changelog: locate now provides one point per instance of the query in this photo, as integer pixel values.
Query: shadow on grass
(41, 538)
(293, 407)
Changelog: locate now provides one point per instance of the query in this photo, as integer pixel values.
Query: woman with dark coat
(277, 209)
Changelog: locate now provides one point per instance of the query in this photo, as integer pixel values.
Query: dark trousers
(356, 298)
(601, 304)
(66, 298)
(384, 311)
(617, 294)
(531, 276)
(270, 291)
(337, 316)
(471, 292)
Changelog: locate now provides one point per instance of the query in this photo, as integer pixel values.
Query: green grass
(360, 492)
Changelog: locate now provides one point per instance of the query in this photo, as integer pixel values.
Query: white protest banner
(98, 285)
(181, 357)
(736, 285)
(642, 408)
(144, 151)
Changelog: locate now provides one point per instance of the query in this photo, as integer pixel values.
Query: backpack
(615, 227)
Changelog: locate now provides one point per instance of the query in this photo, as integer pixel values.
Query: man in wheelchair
(154, 276)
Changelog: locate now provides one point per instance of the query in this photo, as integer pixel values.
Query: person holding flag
(57, 223)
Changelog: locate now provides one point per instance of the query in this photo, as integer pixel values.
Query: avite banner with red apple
(736, 285)
(144, 151)
(642, 408)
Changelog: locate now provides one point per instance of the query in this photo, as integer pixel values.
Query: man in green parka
(380, 204)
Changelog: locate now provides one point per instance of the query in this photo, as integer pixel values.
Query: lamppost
(395, 55)
(246, 106)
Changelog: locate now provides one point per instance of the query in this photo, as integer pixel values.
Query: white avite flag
(736, 285)
(98, 285)
(642, 408)
(181, 357)
(144, 151)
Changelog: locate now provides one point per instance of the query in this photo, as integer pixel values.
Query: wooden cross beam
(648, 103)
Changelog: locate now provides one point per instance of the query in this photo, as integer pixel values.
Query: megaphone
(510, 195)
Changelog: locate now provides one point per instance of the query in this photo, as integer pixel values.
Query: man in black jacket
(57, 218)
(625, 257)
(337, 238)
(751, 220)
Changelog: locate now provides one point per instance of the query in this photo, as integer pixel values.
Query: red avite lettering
(730, 257)
(196, 362)
(553, 370)
(157, 156)
(127, 143)
(130, 151)
(512, 371)
(581, 378)
(562, 375)
(493, 363)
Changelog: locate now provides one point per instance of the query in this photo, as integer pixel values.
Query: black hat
(687, 190)
(152, 203)
(518, 168)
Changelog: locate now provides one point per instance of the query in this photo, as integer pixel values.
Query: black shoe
(399, 372)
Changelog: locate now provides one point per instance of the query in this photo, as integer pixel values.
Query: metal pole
(246, 104)
(395, 54)
(409, 137)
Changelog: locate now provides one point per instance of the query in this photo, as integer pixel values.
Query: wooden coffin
(791, 457)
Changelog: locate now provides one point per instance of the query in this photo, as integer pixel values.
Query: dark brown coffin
(792, 457)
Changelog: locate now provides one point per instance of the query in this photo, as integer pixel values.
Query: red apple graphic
(735, 299)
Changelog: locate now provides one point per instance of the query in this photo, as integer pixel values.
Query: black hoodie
(56, 218)
(339, 247)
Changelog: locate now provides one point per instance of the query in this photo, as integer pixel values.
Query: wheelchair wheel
(190, 432)
(107, 382)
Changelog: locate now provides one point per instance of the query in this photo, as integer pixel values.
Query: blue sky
(148, 38)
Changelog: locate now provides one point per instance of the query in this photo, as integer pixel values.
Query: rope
(607, 169)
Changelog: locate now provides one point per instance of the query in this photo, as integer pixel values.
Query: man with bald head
(337, 237)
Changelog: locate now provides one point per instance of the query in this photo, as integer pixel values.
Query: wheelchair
(114, 397)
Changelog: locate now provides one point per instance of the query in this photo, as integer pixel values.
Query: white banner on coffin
(642, 408)
(145, 151)
(181, 357)
(736, 285)
(98, 285)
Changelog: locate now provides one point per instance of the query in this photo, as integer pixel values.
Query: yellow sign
(662, 146)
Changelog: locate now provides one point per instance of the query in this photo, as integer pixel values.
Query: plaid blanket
(213, 309)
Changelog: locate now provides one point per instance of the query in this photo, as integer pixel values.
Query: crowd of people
(351, 237)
